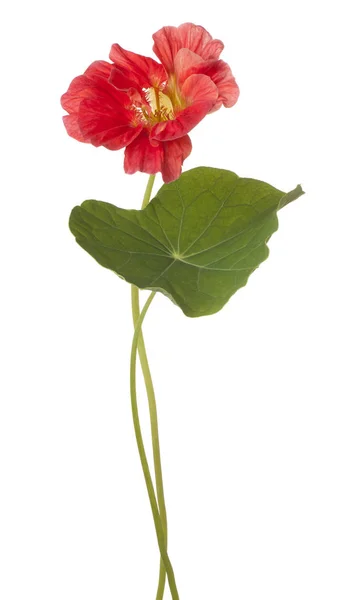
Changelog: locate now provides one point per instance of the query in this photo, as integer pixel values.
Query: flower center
(160, 107)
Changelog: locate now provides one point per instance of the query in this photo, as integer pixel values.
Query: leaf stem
(148, 191)
(145, 467)
(152, 411)
(135, 303)
(154, 432)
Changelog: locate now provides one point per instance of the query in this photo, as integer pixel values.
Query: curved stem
(143, 458)
(155, 434)
(135, 303)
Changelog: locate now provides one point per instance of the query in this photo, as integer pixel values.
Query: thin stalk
(154, 433)
(144, 463)
(135, 303)
(148, 191)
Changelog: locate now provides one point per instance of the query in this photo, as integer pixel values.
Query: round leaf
(197, 241)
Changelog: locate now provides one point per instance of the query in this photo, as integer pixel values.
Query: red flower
(148, 107)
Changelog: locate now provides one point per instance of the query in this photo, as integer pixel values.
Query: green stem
(154, 432)
(145, 467)
(148, 191)
(135, 303)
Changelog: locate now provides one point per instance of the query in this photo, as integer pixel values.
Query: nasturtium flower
(148, 107)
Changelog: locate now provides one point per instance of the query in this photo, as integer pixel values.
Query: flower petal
(164, 157)
(197, 39)
(169, 40)
(143, 72)
(222, 77)
(110, 127)
(119, 80)
(140, 155)
(175, 152)
(79, 88)
(73, 128)
(187, 63)
(200, 94)
(100, 68)
(99, 113)
(126, 84)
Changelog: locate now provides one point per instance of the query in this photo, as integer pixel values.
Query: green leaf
(197, 241)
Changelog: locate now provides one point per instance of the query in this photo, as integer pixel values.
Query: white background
(252, 401)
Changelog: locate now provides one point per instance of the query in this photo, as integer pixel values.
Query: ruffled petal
(79, 88)
(197, 39)
(105, 129)
(187, 63)
(164, 157)
(222, 77)
(169, 40)
(140, 155)
(200, 95)
(126, 84)
(111, 126)
(101, 68)
(141, 71)
(72, 127)
(166, 45)
(212, 50)
(119, 80)
(99, 114)
(175, 152)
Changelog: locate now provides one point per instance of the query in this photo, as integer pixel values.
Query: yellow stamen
(160, 104)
